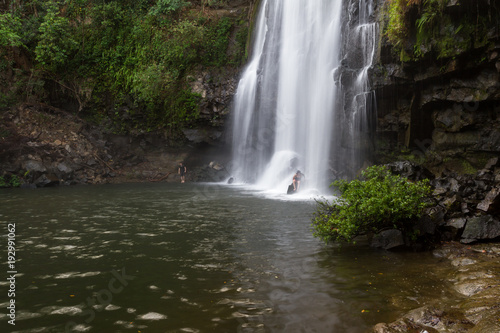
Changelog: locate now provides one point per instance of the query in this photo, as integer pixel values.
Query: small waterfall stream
(359, 111)
(289, 106)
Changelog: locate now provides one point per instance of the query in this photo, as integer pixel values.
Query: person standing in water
(182, 172)
(296, 180)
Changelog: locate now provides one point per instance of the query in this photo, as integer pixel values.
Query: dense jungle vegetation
(127, 63)
(439, 29)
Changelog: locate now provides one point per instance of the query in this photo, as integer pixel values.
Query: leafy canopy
(375, 201)
(10, 26)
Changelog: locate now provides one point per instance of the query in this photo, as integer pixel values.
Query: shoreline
(475, 283)
(42, 146)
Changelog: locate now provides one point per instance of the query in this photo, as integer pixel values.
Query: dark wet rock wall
(441, 109)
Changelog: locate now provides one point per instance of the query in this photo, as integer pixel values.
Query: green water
(194, 258)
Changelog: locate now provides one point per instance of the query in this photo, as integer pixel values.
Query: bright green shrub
(375, 201)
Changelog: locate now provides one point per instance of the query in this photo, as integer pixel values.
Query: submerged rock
(388, 239)
(475, 308)
(430, 319)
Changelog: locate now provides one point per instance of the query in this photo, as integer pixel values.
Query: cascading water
(284, 105)
(359, 105)
(304, 101)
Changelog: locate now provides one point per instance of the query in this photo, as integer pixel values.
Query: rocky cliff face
(438, 104)
(43, 145)
(441, 106)
(218, 86)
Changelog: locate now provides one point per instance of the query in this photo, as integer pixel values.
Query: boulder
(46, 180)
(409, 170)
(485, 175)
(34, 166)
(453, 120)
(388, 239)
(215, 165)
(452, 203)
(456, 223)
(491, 203)
(467, 191)
(425, 226)
(464, 208)
(480, 228)
(470, 288)
(455, 186)
(430, 220)
(493, 162)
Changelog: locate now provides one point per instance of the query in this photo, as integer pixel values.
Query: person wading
(182, 172)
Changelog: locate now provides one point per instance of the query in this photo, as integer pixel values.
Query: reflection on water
(195, 258)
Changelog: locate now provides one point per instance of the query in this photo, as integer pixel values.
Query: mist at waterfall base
(283, 108)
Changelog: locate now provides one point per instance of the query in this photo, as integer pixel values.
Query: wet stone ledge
(475, 305)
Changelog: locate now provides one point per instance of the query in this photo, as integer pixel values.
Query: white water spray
(284, 105)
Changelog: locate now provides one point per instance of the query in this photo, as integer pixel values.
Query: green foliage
(167, 7)
(437, 31)
(184, 45)
(241, 39)
(432, 12)
(451, 43)
(213, 3)
(397, 29)
(10, 30)
(376, 201)
(184, 109)
(55, 42)
(430, 28)
(116, 55)
(149, 84)
(217, 39)
(468, 168)
(9, 181)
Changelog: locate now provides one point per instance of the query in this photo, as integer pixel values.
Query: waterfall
(289, 108)
(359, 100)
